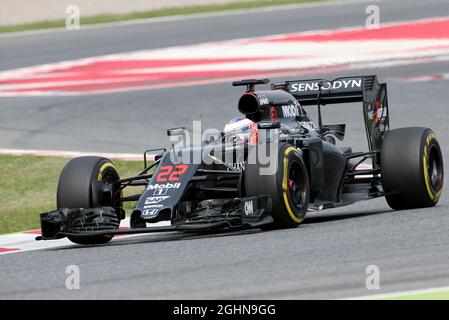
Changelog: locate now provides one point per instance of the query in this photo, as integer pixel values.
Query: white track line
(426, 78)
(284, 55)
(26, 240)
(73, 154)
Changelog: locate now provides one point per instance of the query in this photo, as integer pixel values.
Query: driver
(241, 129)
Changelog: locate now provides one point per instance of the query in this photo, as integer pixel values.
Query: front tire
(81, 185)
(411, 168)
(288, 186)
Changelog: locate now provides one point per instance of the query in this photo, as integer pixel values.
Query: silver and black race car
(266, 174)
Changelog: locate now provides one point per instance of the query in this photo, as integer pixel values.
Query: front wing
(252, 212)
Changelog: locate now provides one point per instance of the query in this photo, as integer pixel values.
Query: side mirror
(178, 134)
(176, 131)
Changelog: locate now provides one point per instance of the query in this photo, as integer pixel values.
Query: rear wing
(365, 89)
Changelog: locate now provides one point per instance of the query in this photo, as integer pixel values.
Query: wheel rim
(108, 179)
(295, 187)
(435, 169)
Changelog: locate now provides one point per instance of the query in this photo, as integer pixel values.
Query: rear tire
(80, 186)
(288, 187)
(411, 168)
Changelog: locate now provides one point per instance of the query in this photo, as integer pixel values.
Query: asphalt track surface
(324, 258)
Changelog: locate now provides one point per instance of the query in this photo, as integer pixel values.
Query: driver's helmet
(241, 129)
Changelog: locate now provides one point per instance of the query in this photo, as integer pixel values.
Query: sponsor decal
(273, 114)
(160, 192)
(164, 186)
(380, 111)
(150, 212)
(153, 200)
(263, 100)
(290, 111)
(248, 208)
(238, 165)
(309, 125)
(171, 173)
(371, 113)
(154, 206)
(326, 85)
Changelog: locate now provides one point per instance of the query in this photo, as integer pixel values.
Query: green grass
(152, 14)
(28, 188)
(443, 295)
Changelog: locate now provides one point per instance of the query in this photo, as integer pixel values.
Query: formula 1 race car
(265, 174)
